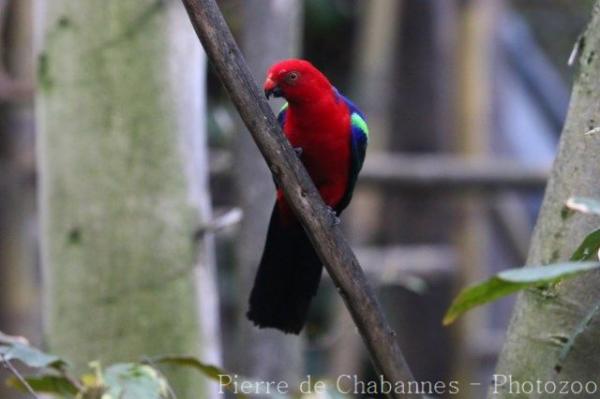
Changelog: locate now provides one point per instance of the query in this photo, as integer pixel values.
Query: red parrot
(330, 136)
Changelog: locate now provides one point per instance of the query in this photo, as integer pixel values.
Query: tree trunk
(544, 319)
(272, 32)
(19, 282)
(123, 184)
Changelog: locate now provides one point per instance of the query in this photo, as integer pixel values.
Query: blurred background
(465, 101)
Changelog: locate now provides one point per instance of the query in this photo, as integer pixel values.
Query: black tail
(287, 278)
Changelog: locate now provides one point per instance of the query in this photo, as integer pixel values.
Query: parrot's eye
(292, 77)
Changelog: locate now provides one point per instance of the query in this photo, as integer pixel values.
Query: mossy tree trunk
(123, 183)
(545, 319)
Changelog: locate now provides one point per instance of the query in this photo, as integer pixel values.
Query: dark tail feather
(287, 278)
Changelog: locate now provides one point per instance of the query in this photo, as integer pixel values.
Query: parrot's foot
(298, 151)
(333, 217)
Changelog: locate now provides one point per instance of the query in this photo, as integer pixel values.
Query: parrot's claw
(335, 220)
(298, 151)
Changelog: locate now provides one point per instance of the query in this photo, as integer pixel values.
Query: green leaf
(584, 204)
(510, 281)
(134, 381)
(30, 356)
(479, 294)
(588, 249)
(48, 384)
(210, 371)
(546, 274)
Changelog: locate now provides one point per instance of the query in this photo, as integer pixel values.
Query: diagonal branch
(300, 192)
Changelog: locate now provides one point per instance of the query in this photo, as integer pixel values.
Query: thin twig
(576, 50)
(230, 218)
(18, 375)
(300, 192)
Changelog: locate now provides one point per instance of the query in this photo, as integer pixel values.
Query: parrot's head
(295, 80)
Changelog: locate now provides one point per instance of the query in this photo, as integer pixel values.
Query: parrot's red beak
(271, 88)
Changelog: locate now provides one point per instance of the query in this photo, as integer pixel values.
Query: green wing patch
(359, 123)
(281, 115)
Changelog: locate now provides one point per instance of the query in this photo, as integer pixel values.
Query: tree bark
(271, 32)
(123, 185)
(544, 319)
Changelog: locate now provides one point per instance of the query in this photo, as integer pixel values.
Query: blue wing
(281, 115)
(281, 119)
(359, 138)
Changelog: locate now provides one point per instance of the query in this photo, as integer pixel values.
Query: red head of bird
(296, 80)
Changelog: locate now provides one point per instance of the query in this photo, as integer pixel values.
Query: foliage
(121, 380)
(141, 380)
(512, 280)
